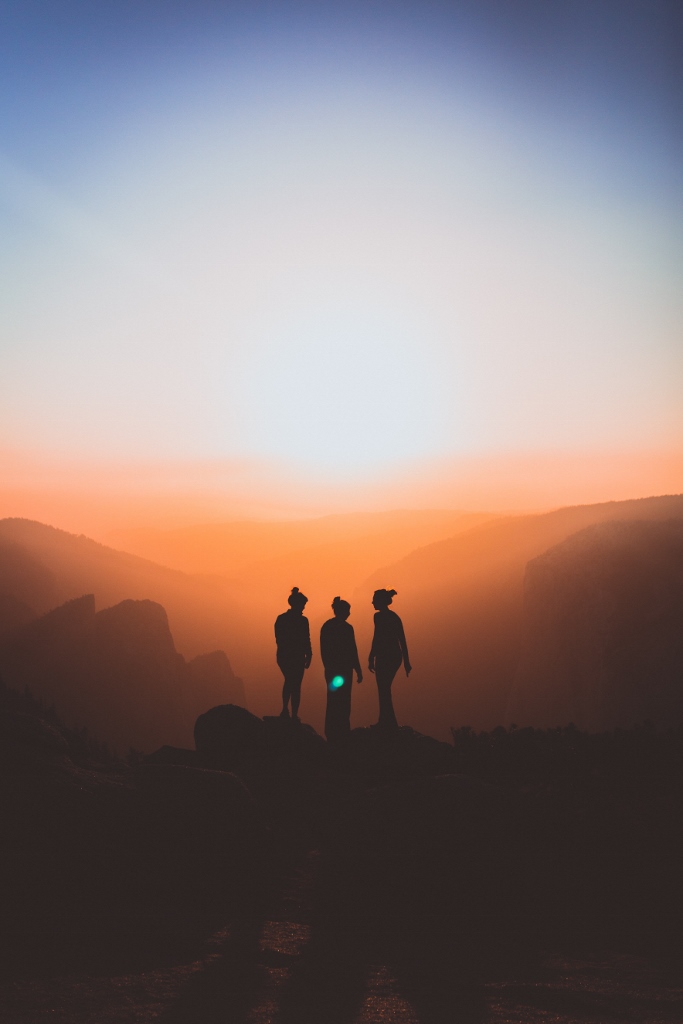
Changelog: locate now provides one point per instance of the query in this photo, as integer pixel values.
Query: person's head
(382, 598)
(297, 600)
(341, 608)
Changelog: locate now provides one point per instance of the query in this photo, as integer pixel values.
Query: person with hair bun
(388, 650)
(340, 659)
(293, 639)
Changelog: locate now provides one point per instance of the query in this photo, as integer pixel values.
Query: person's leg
(295, 683)
(345, 701)
(330, 709)
(385, 677)
(338, 706)
(286, 694)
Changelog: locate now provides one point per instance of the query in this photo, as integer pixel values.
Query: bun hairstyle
(384, 597)
(341, 605)
(296, 599)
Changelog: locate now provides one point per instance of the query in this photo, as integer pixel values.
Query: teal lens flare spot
(336, 682)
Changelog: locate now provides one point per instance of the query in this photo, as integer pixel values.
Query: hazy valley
(505, 616)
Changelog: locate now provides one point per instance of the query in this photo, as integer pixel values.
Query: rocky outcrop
(116, 671)
(227, 734)
(603, 644)
(38, 655)
(84, 839)
(229, 737)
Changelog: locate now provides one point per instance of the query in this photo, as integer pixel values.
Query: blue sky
(455, 228)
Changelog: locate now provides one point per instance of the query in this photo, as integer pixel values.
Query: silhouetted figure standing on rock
(388, 650)
(340, 659)
(294, 653)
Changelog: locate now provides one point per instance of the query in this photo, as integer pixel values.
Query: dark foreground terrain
(515, 876)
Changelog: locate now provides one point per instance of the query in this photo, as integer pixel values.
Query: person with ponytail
(388, 651)
(340, 660)
(293, 639)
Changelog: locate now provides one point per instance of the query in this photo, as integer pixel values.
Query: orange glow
(101, 497)
(224, 544)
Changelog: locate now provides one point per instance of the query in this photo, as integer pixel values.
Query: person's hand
(371, 665)
(307, 663)
(409, 668)
(359, 677)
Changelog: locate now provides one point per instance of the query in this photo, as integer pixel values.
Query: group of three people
(340, 658)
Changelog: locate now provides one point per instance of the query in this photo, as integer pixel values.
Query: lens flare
(336, 682)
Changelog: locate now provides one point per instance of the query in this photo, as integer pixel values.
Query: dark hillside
(461, 601)
(603, 629)
(519, 875)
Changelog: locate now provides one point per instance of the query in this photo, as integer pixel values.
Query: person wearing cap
(293, 639)
(388, 651)
(340, 660)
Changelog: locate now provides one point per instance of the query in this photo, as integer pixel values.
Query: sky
(344, 238)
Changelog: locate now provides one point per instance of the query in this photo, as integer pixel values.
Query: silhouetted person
(388, 650)
(294, 653)
(340, 659)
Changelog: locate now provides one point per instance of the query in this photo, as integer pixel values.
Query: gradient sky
(342, 235)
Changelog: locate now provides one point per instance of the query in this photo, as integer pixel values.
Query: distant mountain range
(462, 604)
(487, 648)
(323, 557)
(117, 670)
(41, 567)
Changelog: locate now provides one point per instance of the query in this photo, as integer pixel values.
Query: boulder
(294, 745)
(226, 734)
(172, 755)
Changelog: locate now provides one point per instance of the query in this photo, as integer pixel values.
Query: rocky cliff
(116, 671)
(603, 633)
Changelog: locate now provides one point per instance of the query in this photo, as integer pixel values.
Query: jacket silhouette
(389, 649)
(340, 660)
(294, 653)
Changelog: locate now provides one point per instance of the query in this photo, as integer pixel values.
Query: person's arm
(404, 647)
(309, 649)
(356, 661)
(324, 645)
(371, 659)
